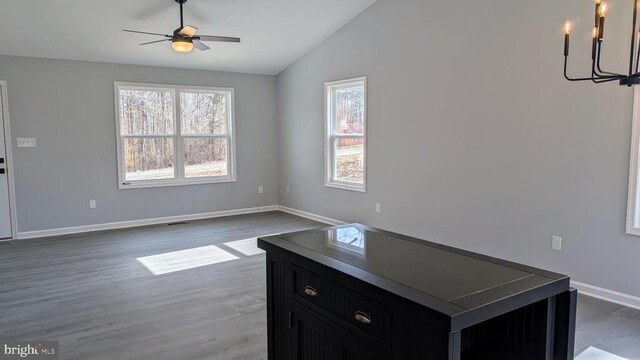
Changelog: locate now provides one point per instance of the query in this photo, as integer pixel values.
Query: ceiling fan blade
(217, 38)
(189, 31)
(146, 33)
(200, 45)
(153, 42)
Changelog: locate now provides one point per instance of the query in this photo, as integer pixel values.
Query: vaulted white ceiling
(274, 32)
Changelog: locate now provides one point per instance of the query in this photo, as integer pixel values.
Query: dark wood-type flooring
(90, 293)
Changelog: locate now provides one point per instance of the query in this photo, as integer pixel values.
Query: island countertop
(465, 286)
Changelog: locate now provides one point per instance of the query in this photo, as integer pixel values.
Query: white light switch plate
(556, 243)
(26, 142)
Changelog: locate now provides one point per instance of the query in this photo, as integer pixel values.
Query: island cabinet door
(314, 338)
(279, 290)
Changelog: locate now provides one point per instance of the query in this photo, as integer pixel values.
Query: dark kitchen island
(351, 292)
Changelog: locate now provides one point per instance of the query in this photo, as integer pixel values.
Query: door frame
(8, 144)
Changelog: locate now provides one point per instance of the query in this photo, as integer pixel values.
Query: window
(348, 238)
(174, 135)
(346, 134)
(633, 201)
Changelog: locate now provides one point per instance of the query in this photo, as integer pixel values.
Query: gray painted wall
(69, 107)
(475, 139)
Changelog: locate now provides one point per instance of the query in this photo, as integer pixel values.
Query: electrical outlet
(26, 142)
(260, 190)
(287, 189)
(556, 243)
(378, 208)
(92, 204)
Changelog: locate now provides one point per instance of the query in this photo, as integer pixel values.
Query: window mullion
(152, 136)
(333, 126)
(230, 161)
(206, 136)
(230, 151)
(348, 136)
(179, 150)
(334, 159)
(333, 122)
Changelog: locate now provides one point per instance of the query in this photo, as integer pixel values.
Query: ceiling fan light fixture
(182, 40)
(182, 45)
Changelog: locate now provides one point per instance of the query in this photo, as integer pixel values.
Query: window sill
(345, 186)
(171, 183)
(633, 231)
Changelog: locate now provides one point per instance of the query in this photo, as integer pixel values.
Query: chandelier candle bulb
(594, 35)
(567, 34)
(604, 9)
(568, 27)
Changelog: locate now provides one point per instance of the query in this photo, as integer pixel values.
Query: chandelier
(597, 74)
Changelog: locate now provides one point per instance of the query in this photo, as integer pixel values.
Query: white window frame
(633, 195)
(177, 137)
(330, 136)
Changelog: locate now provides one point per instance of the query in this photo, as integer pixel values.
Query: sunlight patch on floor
(597, 354)
(246, 247)
(197, 257)
(185, 259)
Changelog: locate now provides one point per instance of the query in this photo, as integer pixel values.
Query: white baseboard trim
(584, 289)
(308, 215)
(143, 222)
(607, 295)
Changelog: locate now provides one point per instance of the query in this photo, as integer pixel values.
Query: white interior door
(5, 215)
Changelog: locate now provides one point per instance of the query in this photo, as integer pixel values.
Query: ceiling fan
(184, 38)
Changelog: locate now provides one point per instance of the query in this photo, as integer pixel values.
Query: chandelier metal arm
(597, 79)
(597, 74)
(599, 52)
(566, 76)
(637, 61)
(604, 80)
(634, 29)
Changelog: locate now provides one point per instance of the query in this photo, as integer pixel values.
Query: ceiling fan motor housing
(177, 35)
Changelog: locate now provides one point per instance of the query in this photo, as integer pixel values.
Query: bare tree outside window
(204, 114)
(147, 113)
(346, 125)
(155, 146)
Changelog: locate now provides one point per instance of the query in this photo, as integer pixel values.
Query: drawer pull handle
(363, 318)
(310, 291)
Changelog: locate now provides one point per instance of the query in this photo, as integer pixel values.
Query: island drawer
(357, 313)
